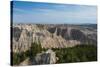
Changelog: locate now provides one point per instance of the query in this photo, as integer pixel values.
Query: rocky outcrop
(51, 36)
(48, 57)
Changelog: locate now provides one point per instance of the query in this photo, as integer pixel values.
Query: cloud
(56, 13)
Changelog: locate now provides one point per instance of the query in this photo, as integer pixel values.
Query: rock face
(52, 36)
(48, 57)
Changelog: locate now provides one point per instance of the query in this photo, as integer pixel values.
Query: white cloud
(80, 14)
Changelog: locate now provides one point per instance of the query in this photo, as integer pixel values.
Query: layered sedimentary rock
(51, 36)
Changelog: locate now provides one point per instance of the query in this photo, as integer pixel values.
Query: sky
(53, 13)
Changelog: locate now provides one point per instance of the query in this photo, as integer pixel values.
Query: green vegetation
(19, 57)
(80, 53)
(35, 48)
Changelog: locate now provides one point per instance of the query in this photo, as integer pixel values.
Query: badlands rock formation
(48, 57)
(51, 36)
